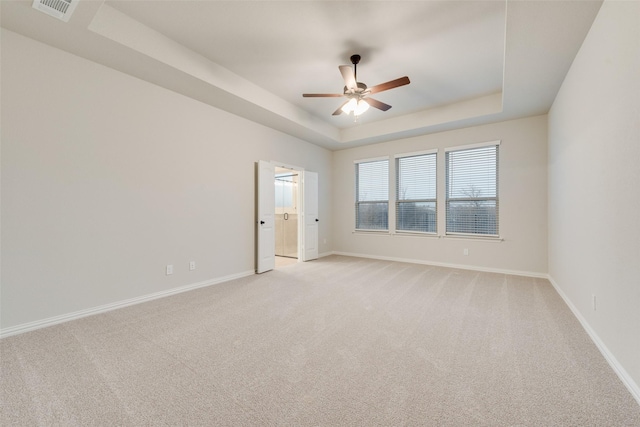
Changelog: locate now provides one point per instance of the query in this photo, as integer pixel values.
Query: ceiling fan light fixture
(361, 107)
(350, 106)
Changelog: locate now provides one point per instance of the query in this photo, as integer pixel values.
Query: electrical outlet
(593, 302)
(192, 265)
(465, 251)
(169, 269)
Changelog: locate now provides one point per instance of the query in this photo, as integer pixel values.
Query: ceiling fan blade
(390, 85)
(348, 76)
(377, 104)
(322, 95)
(339, 110)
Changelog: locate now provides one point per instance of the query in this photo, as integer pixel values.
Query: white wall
(523, 201)
(594, 174)
(106, 179)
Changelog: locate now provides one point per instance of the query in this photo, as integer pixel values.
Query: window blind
(416, 193)
(372, 195)
(472, 191)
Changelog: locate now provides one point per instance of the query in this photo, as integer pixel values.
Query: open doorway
(287, 216)
(305, 194)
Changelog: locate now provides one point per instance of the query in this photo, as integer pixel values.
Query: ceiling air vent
(61, 9)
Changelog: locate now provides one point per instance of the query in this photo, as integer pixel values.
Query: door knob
(261, 222)
(317, 220)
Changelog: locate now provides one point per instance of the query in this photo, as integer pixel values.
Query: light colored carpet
(337, 341)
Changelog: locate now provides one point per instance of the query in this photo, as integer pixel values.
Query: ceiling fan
(357, 93)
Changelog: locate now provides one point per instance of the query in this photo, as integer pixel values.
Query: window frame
(496, 198)
(434, 200)
(386, 201)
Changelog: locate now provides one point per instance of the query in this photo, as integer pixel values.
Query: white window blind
(416, 193)
(472, 191)
(372, 195)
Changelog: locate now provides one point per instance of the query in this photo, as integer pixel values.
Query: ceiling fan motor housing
(360, 90)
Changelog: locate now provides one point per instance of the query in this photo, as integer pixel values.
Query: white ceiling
(470, 62)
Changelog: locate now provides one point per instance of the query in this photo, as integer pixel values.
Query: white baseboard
(626, 379)
(449, 265)
(38, 324)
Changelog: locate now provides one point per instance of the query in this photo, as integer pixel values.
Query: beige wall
(594, 174)
(523, 201)
(106, 179)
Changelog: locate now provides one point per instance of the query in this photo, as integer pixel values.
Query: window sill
(495, 239)
(415, 234)
(462, 236)
(378, 232)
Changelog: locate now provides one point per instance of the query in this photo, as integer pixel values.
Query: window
(416, 193)
(472, 190)
(372, 194)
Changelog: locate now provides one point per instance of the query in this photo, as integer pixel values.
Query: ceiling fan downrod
(355, 59)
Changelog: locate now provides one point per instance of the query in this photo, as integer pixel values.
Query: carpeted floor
(337, 341)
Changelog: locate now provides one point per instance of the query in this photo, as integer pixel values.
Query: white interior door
(266, 208)
(310, 214)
